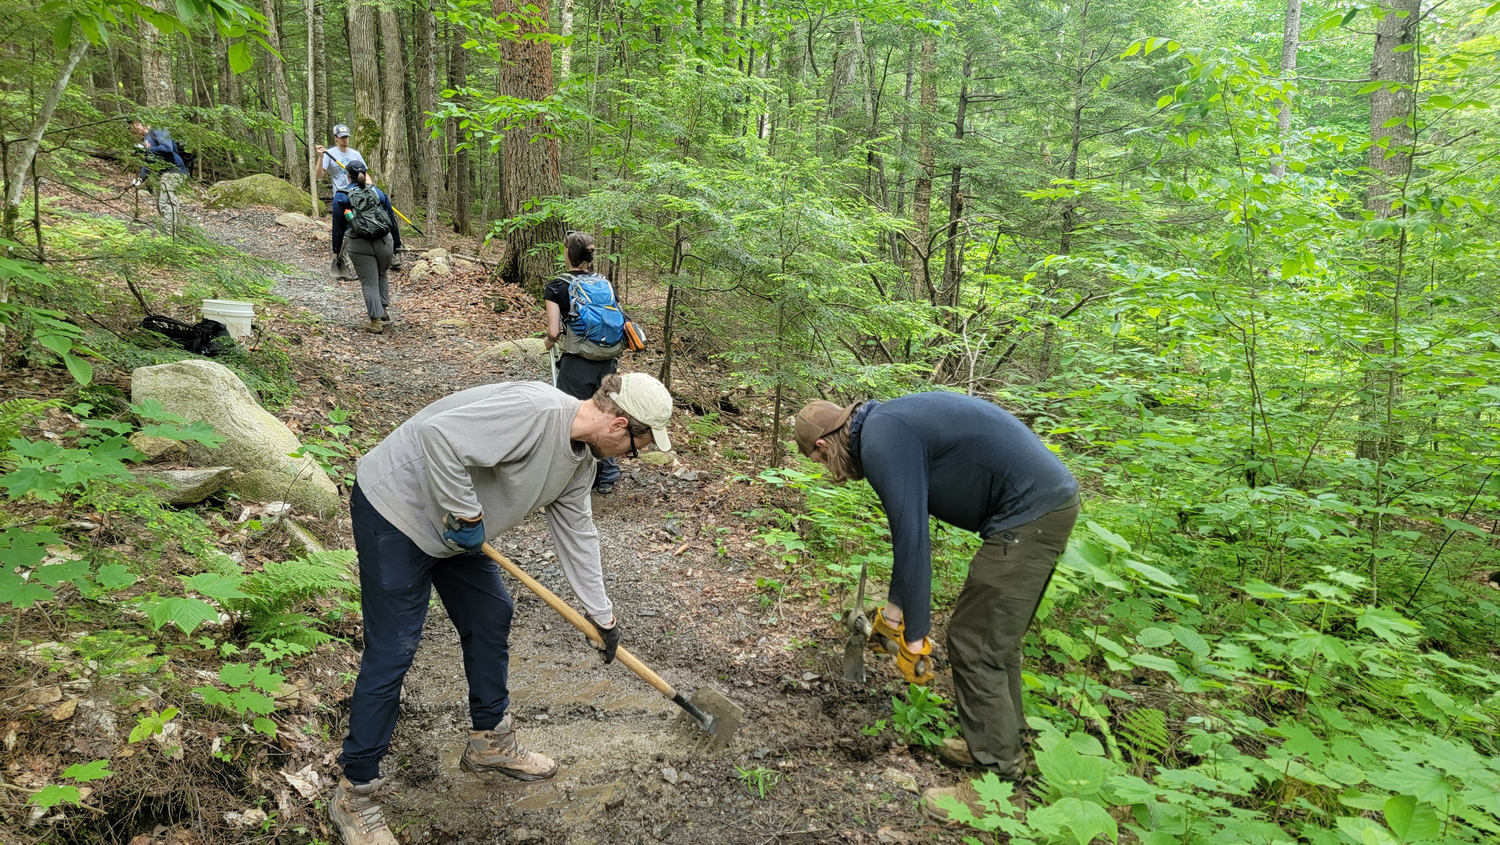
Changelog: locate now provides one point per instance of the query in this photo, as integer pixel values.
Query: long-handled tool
(710, 709)
(393, 205)
(859, 635)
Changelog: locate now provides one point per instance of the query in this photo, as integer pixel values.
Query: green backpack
(370, 220)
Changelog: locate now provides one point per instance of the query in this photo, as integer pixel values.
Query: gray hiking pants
(1007, 578)
(371, 260)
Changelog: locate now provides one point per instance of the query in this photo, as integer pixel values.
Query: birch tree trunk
(19, 179)
(311, 112)
(283, 93)
(532, 155)
(395, 155)
(1291, 36)
(566, 31)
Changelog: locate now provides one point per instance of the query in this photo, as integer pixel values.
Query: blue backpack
(595, 316)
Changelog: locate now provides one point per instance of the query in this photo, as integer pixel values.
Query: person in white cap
(334, 163)
(464, 470)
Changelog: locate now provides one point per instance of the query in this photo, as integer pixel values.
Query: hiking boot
(965, 794)
(605, 489)
(955, 751)
(375, 327)
(385, 319)
(358, 815)
(499, 751)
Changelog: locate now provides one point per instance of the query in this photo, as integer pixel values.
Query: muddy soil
(681, 566)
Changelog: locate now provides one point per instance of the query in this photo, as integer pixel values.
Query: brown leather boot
(375, 327)
(499, 751)
(357, 814)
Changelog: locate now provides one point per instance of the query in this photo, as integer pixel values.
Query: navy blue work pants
(396, 580)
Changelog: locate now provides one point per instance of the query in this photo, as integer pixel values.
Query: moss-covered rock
(260, 189)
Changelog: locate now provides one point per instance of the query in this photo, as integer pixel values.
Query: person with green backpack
(587, 323)
(370, 226)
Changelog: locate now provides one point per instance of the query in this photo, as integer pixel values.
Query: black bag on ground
(206, 337)
(370, 221)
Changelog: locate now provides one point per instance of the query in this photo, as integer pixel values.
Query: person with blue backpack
(586, 322)
(165, 168)
(373, 238)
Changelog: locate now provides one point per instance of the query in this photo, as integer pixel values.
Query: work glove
(136, 182)
(916, 667)
(883, 635)
(610, 635)
(462, 534)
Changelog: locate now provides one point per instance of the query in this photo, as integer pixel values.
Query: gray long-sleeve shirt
(963, 460)
(503, 450)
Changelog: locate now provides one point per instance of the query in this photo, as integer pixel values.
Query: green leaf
(1153, 638)
(1151, 573)
(62, 34)
(84, 772)
(1388, 624)
(21, 593)
(114, 576)
(53, 794)
(264, 725)
(1411, 820)
(1085, 820)
(1151, 661)
(235, 674)
(1070, 771)
(70, 571)
(20, 547)
(1191, 640)
(217, 587)
(1109, 537)
(1366, 831)
(239, 57)
(185, 613)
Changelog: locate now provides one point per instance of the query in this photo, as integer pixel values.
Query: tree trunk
(1291, 37)
(322, 120)
(156, 63)
(566, 31)
(311, 111)
(431, 148)
(283, 93)
(1390, 157)
(1080, 70)
(458, 77)
(953, 253)
(363, 52)
(18, 178)
(921, 201)
(395, 161)
(532, 153)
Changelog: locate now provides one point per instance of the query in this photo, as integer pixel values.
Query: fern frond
(1146, 731)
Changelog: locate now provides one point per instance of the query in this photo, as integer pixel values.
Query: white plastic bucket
(237, 316)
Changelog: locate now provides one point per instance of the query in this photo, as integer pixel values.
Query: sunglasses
(635, 430)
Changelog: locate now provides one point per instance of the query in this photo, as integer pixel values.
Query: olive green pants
(1007, 578)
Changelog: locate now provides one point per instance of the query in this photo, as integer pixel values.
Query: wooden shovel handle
(578, 621)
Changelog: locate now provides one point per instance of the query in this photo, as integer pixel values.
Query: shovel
(710, 709)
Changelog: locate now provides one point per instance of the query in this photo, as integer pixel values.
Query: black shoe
(605, 489)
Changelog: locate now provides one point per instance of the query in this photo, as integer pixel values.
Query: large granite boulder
(259, 189)
(257, 443)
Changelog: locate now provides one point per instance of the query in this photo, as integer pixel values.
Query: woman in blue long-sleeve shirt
(371, 255)
(163, 167)
(976, 467)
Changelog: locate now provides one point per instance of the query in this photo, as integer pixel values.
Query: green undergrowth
(162, 604)
(1185, 697)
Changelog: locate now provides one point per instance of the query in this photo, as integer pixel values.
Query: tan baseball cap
(646, 400)
(817, 420)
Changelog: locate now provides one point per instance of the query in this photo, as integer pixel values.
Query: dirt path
(633, 771)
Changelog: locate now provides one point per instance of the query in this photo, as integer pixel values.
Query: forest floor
(681, 561)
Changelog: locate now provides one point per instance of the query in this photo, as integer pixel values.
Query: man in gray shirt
(334, 162)
(467, 468)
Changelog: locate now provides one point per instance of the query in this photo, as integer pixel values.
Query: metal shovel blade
(854, 658)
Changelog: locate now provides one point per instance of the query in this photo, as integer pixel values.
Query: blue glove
(463, 535)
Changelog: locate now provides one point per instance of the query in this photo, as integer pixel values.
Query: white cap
(647, 401)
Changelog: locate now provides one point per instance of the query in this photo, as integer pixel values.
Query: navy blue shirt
(161, 154)
(341, 204)
(964, 460)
